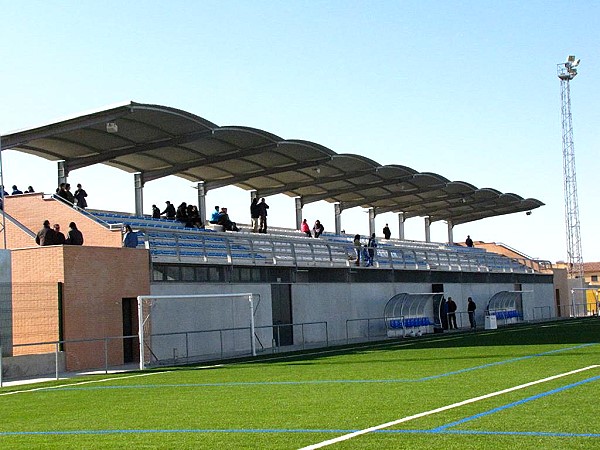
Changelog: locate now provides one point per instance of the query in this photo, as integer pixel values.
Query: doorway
(440, 318)
(130, 328)
(281, 307)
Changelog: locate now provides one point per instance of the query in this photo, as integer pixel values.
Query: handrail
(250, 249)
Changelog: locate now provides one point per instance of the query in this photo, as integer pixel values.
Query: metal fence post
(56, 359)
(105, 355)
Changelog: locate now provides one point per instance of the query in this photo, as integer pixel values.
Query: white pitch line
(345, 437)
(22, 391)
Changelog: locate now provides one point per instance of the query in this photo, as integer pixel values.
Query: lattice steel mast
(566, 72)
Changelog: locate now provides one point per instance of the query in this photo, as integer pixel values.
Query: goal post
(167, 318)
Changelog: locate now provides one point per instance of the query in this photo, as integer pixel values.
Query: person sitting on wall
(214, 218)
(305, 228)
(59, 236)
(74, 236)
(224, 220)
(318, 228)
(194, 216)
(16, 190)
(182, 215)
(46, 235)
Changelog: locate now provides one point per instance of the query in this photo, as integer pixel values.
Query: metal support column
(401, 221)
(427, 229)
(337, 208)
(201, 201)
(298, 205)
(139, 193)
(63, 172)
(372, 215)
(450, 232)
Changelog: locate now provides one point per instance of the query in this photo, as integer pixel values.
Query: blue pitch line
(513, 404)
(276, 383)
(298, 431)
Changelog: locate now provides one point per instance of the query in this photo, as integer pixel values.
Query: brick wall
(96, 280)
(32, 209)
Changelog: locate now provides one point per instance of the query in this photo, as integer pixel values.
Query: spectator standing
(65, 194)
(4, 193)
(254, 214)
(46, 235)
(471, 307)
(169, 211)
(80, 196)
(214, 218)
(74, 236)
(371, 246)
(59, 237)
(386, 232)
(318, 228)
(130, 239)
(305, 228)
(155, 212)
(357, 248)
(16, 190)
(469, 241)
(262, 213)
(451, 314)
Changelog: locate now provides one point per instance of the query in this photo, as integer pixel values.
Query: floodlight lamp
(576, 63)
(112, 127)
(571, 58)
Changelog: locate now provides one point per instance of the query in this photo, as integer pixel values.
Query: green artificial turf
(295, 400)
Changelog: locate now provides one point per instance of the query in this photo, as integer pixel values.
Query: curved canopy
(158, 141)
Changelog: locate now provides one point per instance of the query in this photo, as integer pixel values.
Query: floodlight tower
(566, 72)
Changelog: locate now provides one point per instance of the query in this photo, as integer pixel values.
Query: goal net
(183, 329)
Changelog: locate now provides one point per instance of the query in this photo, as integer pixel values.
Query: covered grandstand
(299, 280)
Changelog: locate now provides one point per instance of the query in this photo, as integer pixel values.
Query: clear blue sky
(464, 89)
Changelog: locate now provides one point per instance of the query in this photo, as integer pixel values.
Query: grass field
(525, 387)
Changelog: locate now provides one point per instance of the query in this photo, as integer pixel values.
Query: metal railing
(58, 350)
(381, 329)
(271, 250)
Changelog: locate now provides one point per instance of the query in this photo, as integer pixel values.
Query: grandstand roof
(158, 141)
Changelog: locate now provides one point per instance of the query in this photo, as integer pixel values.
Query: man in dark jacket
(451, 314)
(169, 211)
(262, 214)
(46, 235)
(74, 236)
(58, 235)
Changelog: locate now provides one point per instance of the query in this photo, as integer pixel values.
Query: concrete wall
(334, 303)
(5, 303)
(27, 366)
(180, 315)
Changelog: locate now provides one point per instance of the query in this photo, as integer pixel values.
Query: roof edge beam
(22, 137)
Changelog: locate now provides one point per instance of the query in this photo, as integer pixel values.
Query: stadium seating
(169, 240)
